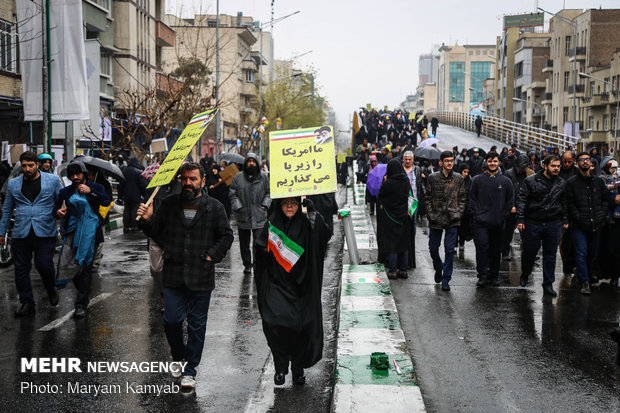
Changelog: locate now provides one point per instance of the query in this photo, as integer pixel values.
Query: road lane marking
(59, 321)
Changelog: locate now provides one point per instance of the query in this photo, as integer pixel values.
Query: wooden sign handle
(150, 200)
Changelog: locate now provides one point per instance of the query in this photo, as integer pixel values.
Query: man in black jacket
(196, 235)
(517, 175)
(541, 214)
(131, 191)
(587, 200)
(567, 171)
(491, 198)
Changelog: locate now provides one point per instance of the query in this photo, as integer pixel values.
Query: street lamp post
(617, 93)
(574, 24)
(532, 103)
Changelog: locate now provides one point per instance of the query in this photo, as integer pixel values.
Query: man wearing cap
(32, 195)
(476, 164)
(80, 226)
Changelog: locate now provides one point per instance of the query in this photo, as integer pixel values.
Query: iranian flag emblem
(286, 251)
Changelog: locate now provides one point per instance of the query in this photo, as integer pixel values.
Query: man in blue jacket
(32, 195)
(82, 229)
(491, 198)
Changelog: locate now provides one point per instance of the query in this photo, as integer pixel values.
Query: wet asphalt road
(125, 324)
(508, 348)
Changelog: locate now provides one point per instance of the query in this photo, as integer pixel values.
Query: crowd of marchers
(567, 201)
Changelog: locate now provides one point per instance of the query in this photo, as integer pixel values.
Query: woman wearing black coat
(289, 297)
(394, 216)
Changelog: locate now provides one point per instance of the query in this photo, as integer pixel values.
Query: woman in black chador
(290, 301)
(394, 219)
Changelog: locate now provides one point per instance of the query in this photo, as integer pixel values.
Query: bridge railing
(524, 136)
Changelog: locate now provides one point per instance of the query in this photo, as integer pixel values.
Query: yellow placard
(192, 132)
(368, 107)
(411, 115)
(302, 162)
(341, 158)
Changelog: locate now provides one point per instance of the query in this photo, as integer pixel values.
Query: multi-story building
(530, 82)
(11, 103)
(239, 64)
(462, 69)
(598, 43)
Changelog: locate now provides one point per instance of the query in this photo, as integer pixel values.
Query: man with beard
(568, 170)
(445, 199)
(196, 235)
(517, 175)
(476, 163)
(82, 230)
(541, 214)
(491, 198)
(587, 200)
(249, 199)
(32, 195)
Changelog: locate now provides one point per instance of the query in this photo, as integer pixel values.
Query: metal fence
(524, 136)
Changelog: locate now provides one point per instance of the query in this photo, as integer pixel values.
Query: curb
(368, 323)
(114, 223)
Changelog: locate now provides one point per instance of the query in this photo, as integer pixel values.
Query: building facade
(461, 73)
(239, 66)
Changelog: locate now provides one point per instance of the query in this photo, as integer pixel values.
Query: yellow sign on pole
(302, 162)
(192, 132)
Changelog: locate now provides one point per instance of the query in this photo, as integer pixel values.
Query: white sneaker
(188, 382)
(176, 370)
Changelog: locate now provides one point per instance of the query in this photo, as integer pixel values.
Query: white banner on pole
(68, 87)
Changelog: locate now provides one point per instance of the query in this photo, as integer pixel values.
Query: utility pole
(45, 75)
(217, 79)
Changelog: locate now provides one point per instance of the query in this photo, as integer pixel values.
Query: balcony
(538, 84)
(547, 98)
(593, 135)
(164, 35)
(579, 90)
(581, 54)
(596, 100)
(547, 66)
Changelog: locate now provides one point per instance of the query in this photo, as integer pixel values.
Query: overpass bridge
(506, 132)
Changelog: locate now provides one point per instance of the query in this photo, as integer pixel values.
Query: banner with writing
(192, 132)
(302, 162)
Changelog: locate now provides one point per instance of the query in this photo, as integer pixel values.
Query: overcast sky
(366, 51)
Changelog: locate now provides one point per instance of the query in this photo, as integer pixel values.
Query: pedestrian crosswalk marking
(59, 321)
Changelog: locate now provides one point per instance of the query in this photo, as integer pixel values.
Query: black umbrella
(427, 152)
(232, 158)
(107, 167)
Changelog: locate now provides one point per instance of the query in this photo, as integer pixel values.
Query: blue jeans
(401, 260)
(585, 247)
(549, 235)
(449, 243)
(181, 304)
(43, 249)
(488, 241)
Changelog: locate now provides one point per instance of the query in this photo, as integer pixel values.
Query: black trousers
(130, 212)
(43, 249)
(244, 245)
(488, 241)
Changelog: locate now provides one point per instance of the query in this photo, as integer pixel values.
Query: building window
(565, 114)
(479, 72)
(8, 47)
(591, 122)
(249, 76)
(605, 122)
(568, 48)
(106, 63)
(457, 82)
(519, 69)
(566, 80)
